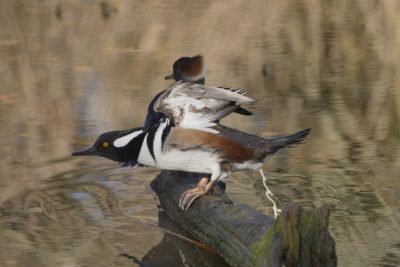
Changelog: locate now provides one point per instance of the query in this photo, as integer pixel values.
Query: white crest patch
(124, 140)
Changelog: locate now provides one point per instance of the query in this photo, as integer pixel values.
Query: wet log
(244, 236)
(177, 249)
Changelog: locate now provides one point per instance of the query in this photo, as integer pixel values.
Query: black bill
(169, 77)
(85, 152)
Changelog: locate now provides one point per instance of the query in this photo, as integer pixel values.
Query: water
(73, 69)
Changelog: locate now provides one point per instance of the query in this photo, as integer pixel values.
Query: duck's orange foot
(189, 196)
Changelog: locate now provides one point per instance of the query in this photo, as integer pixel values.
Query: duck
(170, 147)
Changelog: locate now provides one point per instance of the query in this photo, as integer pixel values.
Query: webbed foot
(189, 196)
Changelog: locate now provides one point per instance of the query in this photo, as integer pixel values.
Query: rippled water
(73, 69)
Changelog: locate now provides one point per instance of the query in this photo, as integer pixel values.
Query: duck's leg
(203, 187)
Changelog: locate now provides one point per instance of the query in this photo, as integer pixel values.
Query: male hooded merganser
(175, 148)
(189, 71)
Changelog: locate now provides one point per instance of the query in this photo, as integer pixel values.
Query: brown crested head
(188, 69)
(193, 67)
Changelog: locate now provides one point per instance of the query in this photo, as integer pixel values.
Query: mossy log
(244, 236)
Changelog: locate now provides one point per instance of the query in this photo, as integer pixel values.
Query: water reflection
(77, 219)
(71, 70)
(174, 251)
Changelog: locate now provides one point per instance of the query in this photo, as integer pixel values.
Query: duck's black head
(121, 146)
(188, 69)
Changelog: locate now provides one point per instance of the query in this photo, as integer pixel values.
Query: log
(174, 250)
(244, 236)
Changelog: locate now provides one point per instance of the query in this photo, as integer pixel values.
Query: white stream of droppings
(268, 194)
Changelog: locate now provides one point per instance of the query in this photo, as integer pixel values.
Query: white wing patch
(197, 121)
(124, 140)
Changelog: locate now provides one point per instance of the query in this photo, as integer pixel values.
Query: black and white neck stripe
(153, 142)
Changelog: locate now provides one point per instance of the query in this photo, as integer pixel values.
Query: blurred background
(70, 70)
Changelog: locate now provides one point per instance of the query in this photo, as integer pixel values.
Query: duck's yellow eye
(105, 144)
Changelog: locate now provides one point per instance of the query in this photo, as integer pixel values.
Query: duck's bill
(85, 152)
(169, 77)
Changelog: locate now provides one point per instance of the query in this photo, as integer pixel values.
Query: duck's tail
(275, 144)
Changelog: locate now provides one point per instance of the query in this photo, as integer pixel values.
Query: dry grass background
(331, 65)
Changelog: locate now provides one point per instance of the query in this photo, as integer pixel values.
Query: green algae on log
(244, 236)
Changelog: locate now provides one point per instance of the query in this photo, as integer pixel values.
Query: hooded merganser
(175, 148)
(187, 70)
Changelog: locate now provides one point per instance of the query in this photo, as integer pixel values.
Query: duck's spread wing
(217, 93)
(198, 106)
